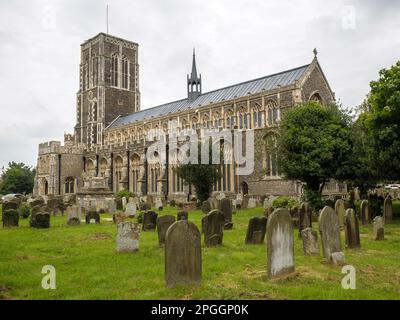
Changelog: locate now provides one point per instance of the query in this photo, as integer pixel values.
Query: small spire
(194, 69)
(315, 52)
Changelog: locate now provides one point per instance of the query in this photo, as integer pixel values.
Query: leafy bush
(124, 193)
(172, 203)
(285, 202)
(140, 217)
(24, 211)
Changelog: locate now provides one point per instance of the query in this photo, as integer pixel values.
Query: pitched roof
(266, 83)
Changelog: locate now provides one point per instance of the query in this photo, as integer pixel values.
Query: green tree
(383, 121)
(201, 175)
(17, 178)
(363, 173)
(314, 146)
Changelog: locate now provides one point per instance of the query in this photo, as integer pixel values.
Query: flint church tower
(109, 86)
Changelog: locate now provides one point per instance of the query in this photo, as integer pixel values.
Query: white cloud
(235, 41)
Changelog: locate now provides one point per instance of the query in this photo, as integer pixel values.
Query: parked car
(10, 196)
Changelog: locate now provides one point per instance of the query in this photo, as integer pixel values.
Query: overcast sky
(234, 40)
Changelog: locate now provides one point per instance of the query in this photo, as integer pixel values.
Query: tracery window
(114, 70)
(125, 73)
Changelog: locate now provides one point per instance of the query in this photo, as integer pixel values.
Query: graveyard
(89, 267)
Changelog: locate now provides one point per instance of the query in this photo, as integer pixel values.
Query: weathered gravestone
(163, 223)
(304, 217)
(387, 210)
(73, 216)
(234, 207)
(280, 245)
(10, 218)
(252, 203)
(206, 206)
(310, 242)
(226, 209)
(352, 233)
(124, 202)
(159, 204)
(111, 206)
(149, 221)
(340, 211)
(378, 228)
(128, 235)
(330, 234)
(256, 230)
(130, 210)
(92, 216)
(182, 254)
(40, 220)
(213, 228)
(182, 215)
(364, 211)
(10, 214)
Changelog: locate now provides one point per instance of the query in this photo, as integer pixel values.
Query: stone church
(107, 151)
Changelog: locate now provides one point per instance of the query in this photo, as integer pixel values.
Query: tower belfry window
(114, 70)
(125, 73)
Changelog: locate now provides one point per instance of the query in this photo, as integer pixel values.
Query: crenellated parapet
(51, 147)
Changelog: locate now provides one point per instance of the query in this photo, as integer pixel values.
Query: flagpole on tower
(107, 19)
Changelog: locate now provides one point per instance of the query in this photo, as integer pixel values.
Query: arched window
(316, 97)
(125, 73)
(274, 112)
(271, 156)
(114, 70)
(90, 168)
(135, 169)
(103, 167)
(118, 172)
(46, 188)
(258, 117)
(69, 185)
(226, 181)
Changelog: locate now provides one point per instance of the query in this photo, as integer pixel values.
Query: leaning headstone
(226, 209)
(338, 258)
(130, 210)
(387, 210)
(378, 228)
(304, 217)
(256, 230)
(280, 244)
(213, 227)
(182, 254)
(128, 235)
(182, 215)
(206, 206)
(330, 233)
(163, 223)
(352, 233)
(364, 211)
(252, 203)
(73, 216)
(340, 211)
(310, 242)
(149, 221)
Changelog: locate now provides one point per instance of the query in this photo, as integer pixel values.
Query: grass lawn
(88, 267)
